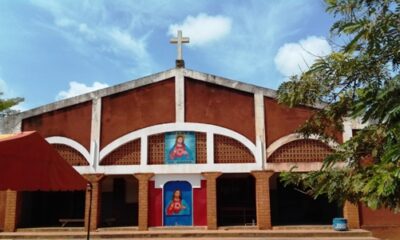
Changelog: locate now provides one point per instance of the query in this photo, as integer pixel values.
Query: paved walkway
(322, 234)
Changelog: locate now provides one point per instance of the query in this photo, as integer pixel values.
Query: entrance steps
(192, 233)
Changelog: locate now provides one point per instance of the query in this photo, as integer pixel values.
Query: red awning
(29, 163)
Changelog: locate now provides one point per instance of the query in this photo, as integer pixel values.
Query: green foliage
(359, 80)
(7, 104)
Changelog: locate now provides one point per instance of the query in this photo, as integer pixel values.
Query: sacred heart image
(180, 147)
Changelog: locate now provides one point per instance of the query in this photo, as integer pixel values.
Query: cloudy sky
(50, 50)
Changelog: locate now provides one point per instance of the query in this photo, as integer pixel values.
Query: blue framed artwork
(180, 147)
(177, 203)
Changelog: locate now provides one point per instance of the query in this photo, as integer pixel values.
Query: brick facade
(11, 211)
(143, 221)
(350, 211)
(263, 206)
(211, 178)
(95, 180)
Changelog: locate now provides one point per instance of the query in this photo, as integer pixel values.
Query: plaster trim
(73, 144)
(290, 138)
(161, 179)
(179, 126)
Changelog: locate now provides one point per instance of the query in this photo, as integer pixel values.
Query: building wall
(135, 109)
(200, 204)
(155, 205)
(154, 104)
(72, 122)
(378, 218)
(217, 105)
(281, 120)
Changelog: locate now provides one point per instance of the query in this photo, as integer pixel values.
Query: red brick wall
(281, 120)
(213, 104)
(200, 205)
(378, 218)
(73, 122)
(138, 108)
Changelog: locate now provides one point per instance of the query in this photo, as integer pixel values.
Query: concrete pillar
(11, 211)
(211, 178)
(263, 206)
(95, 180)
(143, 203)
(260, 127)
(179, 95)
(95, 133)
(350, 212)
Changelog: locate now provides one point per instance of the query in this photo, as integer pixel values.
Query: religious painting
(180, 147)
(177, 203)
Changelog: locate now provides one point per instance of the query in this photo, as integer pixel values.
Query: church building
(179, 148)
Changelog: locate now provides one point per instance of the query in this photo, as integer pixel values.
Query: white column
(95, 132)
(260, 128)
(143, 150)
(210, 148)
(179, 95)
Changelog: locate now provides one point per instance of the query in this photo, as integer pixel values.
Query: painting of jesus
(180, 147)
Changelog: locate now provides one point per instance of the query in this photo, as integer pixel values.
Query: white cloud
(76, 88)
(94, 31)
(127, 42)
(203, 28)
(294, 58)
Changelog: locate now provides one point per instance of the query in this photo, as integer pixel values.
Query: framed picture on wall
(180, 147)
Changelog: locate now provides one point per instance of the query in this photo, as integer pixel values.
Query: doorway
(291, 206)
(178, 206)
(236, 200)
(119, 201)
(45, 209)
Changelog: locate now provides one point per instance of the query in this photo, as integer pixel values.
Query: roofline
(143, 81)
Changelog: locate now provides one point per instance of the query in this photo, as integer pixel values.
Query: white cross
(179, 41)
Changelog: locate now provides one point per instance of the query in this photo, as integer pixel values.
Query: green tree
(360, 79)
(7, 104)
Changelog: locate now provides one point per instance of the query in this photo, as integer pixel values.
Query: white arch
(293, 137)
(71, 143)
(172, 127)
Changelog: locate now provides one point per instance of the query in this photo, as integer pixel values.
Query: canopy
(29, 163)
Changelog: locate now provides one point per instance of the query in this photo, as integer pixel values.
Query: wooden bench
(65, 221)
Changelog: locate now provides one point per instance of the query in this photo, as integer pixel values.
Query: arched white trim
(290, 138)
(71, 143)
(161, 179)
(179, 126)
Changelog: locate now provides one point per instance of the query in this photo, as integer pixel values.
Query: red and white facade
(119, 131)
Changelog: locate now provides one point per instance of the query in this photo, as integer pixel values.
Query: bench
(65, 221)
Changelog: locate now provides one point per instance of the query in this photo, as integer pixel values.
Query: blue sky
(50, 50)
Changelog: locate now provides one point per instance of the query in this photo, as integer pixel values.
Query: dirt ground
(386, 233)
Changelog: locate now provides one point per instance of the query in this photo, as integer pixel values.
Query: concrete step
(203, 238)
(196, 234)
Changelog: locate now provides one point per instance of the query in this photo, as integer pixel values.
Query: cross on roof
(179, 41)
